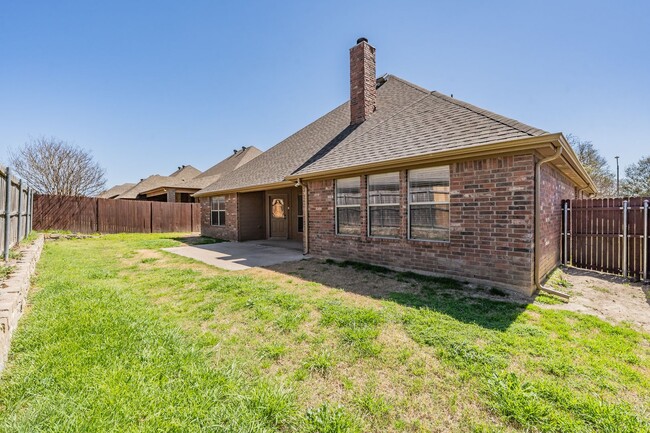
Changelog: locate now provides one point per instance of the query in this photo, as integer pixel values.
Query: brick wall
(229, 231)
(555, 187)
(491, 227)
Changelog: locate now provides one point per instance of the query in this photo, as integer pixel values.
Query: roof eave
(543, 143)
(253, 188)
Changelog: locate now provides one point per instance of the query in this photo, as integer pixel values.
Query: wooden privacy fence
(608, 235)
(16, 205)
(98, 215)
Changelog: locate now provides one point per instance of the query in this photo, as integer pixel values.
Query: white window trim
(212, 199)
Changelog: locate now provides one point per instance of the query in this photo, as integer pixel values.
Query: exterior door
(278, 216)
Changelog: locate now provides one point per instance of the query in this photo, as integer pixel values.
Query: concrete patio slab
(238, 256)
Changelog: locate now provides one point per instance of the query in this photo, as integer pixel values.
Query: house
(139, 191)
(411, 179)
(176, 188)
(116, 190)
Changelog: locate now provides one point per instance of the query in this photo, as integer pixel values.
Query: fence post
(30, 205)
(624, 252)
(7, 214)
(645, 240)
(20, 211)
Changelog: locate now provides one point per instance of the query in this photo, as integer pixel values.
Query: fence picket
(91, 215)
(609, 235)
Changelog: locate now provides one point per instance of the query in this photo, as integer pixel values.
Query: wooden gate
(608, 235)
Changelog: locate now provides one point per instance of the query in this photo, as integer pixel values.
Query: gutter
(537, 241)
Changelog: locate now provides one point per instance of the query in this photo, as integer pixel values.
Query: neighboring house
(185, 173)
(116, 190)
(407, 178)
(176, 188)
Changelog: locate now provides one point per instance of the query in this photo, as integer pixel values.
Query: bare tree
(637, 178)
(595, 164)
(53, 166)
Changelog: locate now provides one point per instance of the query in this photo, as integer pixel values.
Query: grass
(121, 336)
(5, 271)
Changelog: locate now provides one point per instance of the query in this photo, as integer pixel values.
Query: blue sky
(150, 85)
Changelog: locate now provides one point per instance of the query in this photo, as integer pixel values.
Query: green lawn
(121, 336)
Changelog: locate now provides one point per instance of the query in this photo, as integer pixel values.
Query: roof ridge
(482, 112)
(408, 83)
(303, 166)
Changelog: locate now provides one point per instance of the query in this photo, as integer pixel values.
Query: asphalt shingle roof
(184, 173)
(409, 121)
(116, 190)
(212, 174)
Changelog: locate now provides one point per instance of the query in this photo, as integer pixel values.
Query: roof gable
(116, 190)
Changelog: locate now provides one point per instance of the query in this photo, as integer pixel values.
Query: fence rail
(97, 215)
(608, 235)
(16, 201)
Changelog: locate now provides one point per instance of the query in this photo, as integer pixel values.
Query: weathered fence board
(15, 211)
(92, 215)
(608, 235)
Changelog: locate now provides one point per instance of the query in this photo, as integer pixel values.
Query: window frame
(337, 206)
(369, 206)
(221, 221)
(300, 214)
(409, 203)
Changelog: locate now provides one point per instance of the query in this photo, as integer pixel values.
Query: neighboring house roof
(184, 173)
(116, 190)
(212, 174)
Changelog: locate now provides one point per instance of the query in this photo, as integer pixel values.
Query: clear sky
(151, 85)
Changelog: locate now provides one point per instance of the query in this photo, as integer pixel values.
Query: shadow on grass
(197, 240)
(489, 308)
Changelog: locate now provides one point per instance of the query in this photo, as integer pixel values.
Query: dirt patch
(609, 297)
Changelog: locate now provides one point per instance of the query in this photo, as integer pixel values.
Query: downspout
(537, 241)
(305, 216)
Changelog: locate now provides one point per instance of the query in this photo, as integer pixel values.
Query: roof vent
(362, 40)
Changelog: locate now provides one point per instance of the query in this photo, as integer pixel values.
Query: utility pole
(617, 178)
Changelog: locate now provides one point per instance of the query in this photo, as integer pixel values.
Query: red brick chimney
(363, 81)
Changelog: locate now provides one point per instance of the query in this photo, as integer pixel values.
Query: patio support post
(624, 249)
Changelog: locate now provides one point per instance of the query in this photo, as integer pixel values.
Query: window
(348, 206)
(218, 211)
(429, 203)
(383, 205)
(300, 214)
